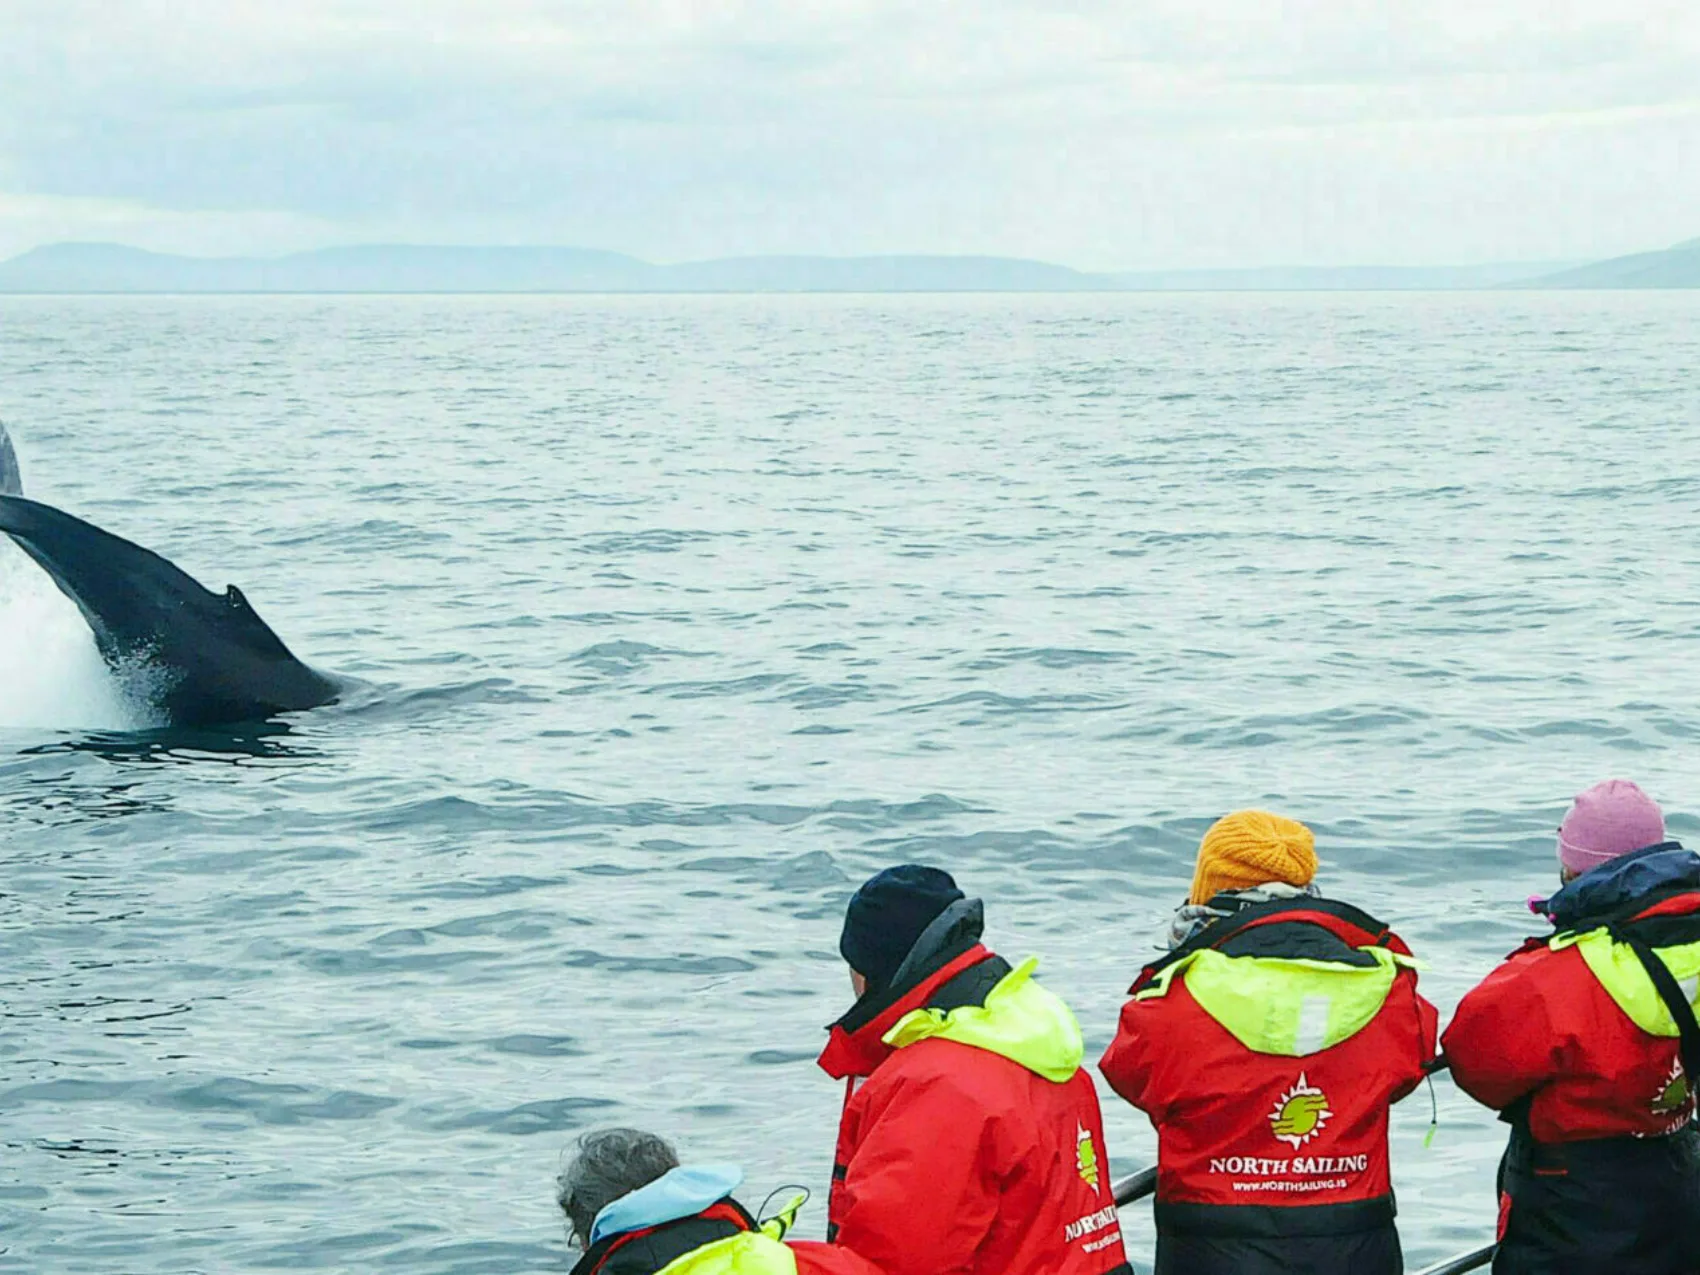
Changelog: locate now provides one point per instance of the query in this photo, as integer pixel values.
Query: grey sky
(1101, 133)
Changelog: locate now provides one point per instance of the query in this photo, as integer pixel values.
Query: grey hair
(608, 1163)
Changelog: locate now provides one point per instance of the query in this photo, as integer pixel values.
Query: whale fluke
(208, 658)
(11, 481)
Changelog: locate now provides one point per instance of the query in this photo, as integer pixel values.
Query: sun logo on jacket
(1674, 1096)
(1086, 1157)
(1300, 1114)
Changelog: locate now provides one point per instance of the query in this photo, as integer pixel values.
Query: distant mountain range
(113, 268)
(1677, 267)
(393, 268)
(1336, 278)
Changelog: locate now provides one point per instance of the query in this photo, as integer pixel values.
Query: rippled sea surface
(677, 617)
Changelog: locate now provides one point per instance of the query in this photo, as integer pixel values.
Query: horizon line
(449, 246)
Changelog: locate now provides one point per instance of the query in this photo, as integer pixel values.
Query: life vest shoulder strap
(1641, 961)
(1675, 999)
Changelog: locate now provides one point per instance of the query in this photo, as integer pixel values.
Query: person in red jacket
(973, 1144)
(1267, 1047)
(633, 1209)
(1586, 1044)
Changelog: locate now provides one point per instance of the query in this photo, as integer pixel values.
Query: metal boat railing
(1144, 1183)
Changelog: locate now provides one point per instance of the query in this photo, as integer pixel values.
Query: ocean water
(675, 617)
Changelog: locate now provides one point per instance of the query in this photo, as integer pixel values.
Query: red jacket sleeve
(1425, 1024)
(1130, 1063)
(1501, 1043)
(920, 1193)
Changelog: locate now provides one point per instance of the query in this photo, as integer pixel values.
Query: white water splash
(51, 674)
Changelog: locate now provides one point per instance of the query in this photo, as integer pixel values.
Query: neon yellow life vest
(1288, 1006)
(747, 1253)
(1020, 1020)
(1626, 981)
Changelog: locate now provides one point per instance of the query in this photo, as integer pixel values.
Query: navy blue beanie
(888, 914)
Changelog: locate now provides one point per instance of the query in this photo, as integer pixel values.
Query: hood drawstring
(1433, 1114)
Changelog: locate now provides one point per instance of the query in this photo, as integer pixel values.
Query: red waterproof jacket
(1577, 1040)
(1267, 1052)
(1546, 1027)
(975, 1144)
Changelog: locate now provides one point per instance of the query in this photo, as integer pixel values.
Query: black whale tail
(220, 661)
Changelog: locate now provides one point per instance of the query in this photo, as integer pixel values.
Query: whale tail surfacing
(211, 659)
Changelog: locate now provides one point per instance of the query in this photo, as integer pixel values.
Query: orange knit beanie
(1251, 848)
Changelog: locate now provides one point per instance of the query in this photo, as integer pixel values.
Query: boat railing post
(1465, 1262)
(1136, 1187)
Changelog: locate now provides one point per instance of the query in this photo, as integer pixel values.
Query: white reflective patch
(1313, 1024)
(1692, 987)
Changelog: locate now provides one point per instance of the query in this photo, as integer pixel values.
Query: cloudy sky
(1101, 133)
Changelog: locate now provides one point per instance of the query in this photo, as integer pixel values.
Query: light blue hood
(678, 1193)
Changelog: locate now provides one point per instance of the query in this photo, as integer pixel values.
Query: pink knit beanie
(1610, 819)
